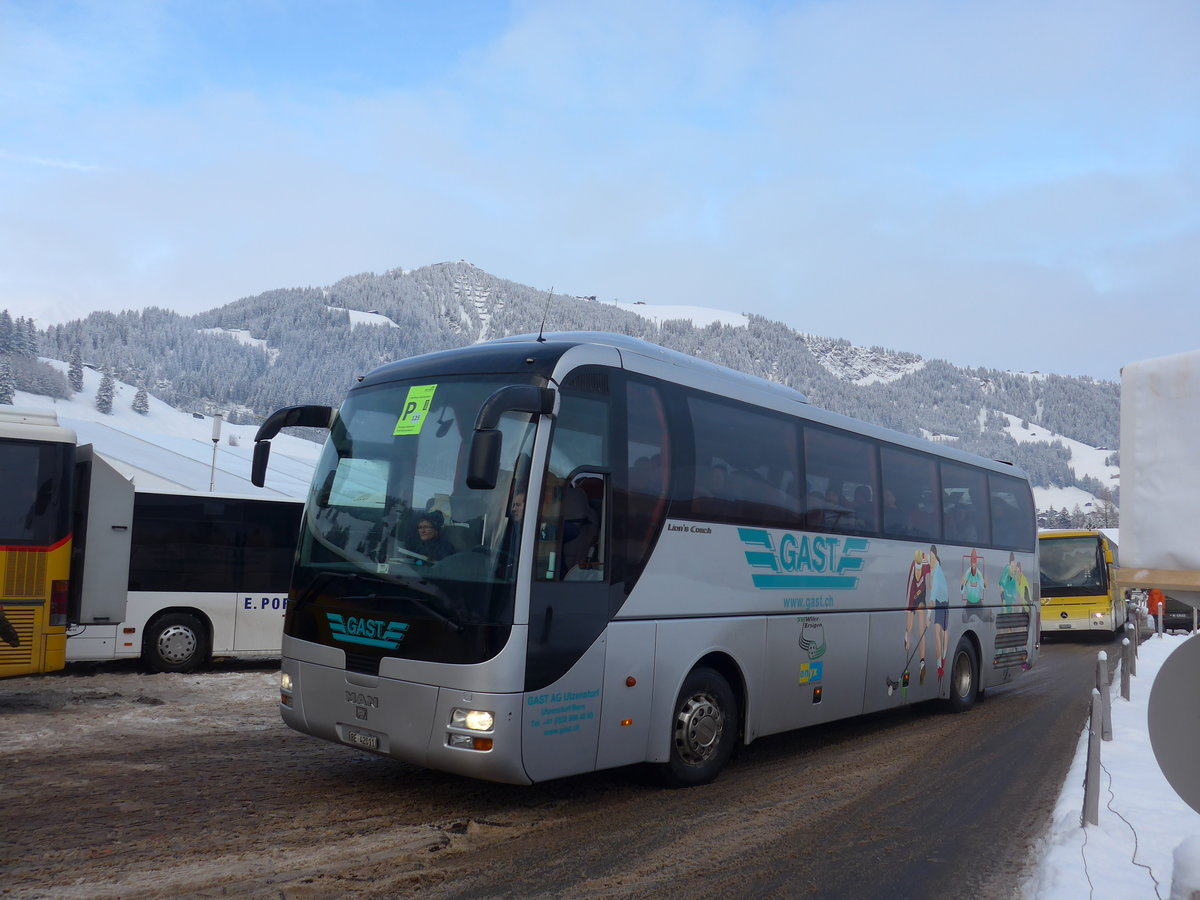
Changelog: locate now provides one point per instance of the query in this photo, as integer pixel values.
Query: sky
(1009, 184)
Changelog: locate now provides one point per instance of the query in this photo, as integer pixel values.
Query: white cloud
(942, 170)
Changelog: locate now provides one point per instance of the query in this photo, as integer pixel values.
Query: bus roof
(1109, 534)
(531, 354)
(526, 354)
(29, 423)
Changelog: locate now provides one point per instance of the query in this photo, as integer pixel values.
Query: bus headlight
(472, 719)
(285, 688)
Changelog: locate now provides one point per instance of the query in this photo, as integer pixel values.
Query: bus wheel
(964, 676)
(176, 642)
(703, 729)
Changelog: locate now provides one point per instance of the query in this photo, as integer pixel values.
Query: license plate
(1064, 625)
(370, 741)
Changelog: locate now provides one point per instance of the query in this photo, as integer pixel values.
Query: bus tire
(964, 676)
(703, 729)
(176, 642)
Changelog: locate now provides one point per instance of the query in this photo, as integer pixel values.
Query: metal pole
(1126, 663)
(1091, 778)
(1102, 683)
(216, 439)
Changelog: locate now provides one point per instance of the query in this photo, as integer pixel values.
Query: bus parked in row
(94, 570)
(37, 459)
(1078, 571)
(641, 557)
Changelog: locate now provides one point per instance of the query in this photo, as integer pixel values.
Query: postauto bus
(37, 460)
(1079, 584)
(636, 557)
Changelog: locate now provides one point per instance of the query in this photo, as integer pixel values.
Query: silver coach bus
(532, 558)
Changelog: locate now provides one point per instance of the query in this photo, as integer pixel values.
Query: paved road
(130, 785)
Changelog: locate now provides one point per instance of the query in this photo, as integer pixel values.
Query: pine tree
(8, 387)
(104, 395)
(1077, 517)
(75, 372)
(141, 401)
(30, 338)
(6, 332)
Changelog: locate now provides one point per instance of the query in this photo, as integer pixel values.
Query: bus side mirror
(483, 465)
(258, 468)
(288, 417)
(483, 461)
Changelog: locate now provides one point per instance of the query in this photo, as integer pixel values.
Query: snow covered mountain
(307, 345)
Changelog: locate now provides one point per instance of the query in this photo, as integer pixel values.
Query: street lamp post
(216, 439)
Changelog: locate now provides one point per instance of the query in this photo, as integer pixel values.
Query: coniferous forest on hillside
(305, 348)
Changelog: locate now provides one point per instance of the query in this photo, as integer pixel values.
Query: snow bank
(1147, 836)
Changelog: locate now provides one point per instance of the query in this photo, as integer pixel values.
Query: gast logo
(804, 562)
(371, 632)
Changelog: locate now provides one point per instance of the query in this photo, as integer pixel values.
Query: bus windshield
(390, 517)
(1072, 564)
(36, 509)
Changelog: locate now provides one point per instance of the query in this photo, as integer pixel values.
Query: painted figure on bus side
(1010, 583)
(1024, 597)
(918, 604)
(939, 595)
(974, 583)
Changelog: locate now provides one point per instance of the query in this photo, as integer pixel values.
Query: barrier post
(1091, 778)
(1126, 663)
(1102, 683)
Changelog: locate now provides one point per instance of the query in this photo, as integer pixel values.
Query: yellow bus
(37, 459)
(1079, 584)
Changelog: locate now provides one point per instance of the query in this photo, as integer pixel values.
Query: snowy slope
(1085, 460)
(700, 316)
(166, 449)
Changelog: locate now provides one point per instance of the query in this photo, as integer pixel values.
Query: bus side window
(745, 465)
(583, 532)
(912, 478)
(842, 472)
(1013, 521)
(568, 525)
(964, 517)
(648, 451)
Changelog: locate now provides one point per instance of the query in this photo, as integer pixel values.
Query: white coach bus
(175, 578)
(533, 558)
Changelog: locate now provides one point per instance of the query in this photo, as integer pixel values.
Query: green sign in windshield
(416, 408)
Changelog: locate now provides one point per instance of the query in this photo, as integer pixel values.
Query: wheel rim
(962, 674)
(698, 728)
(176, 644)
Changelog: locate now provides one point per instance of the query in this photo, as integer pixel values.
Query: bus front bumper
(467, 733)
(1075, 620)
